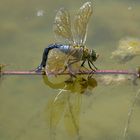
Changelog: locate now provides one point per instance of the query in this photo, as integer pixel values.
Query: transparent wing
(62, 25)
(64, 104)
(55, 110)
(72, 113)
(57, 60)
(81, 22)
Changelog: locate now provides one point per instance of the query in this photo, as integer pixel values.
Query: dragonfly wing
(81, 22)
(72, 114)
(57, 60)
(62, 25)
(54, 111)
(74, 58)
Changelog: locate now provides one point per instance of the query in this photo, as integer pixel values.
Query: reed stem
(114, 72)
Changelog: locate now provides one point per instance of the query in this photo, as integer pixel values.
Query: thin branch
(126, 72)
(130, 113)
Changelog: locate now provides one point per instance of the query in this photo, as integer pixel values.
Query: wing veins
(62, 25)
(81, 22)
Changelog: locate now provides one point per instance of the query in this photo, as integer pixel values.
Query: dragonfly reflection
(67, 103)
(62, 57)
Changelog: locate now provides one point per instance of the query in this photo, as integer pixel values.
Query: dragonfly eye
(94, 55)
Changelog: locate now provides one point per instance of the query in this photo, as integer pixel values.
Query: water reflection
(67, 103)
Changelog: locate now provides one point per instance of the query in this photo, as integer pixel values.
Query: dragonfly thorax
(89, 54)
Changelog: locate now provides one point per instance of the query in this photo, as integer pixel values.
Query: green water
(24, 99)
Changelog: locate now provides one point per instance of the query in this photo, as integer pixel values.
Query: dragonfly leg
(69, 64)
(93, 65)
(93, 70)
(63, 70)
(82, 66)
(66, 65)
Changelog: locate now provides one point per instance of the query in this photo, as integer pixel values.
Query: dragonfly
(74, 35)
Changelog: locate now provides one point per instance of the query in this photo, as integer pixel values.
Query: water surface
(25, 30)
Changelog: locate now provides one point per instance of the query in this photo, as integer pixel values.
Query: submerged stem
(130, 113)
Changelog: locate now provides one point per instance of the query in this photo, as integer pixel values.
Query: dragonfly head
(93, 55)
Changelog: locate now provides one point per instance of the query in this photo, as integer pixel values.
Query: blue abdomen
(61, 47)
(64, 48)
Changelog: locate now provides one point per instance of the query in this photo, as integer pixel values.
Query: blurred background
(25, 30)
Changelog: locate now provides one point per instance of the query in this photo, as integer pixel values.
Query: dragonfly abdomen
(71, 50)
(64, 48)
